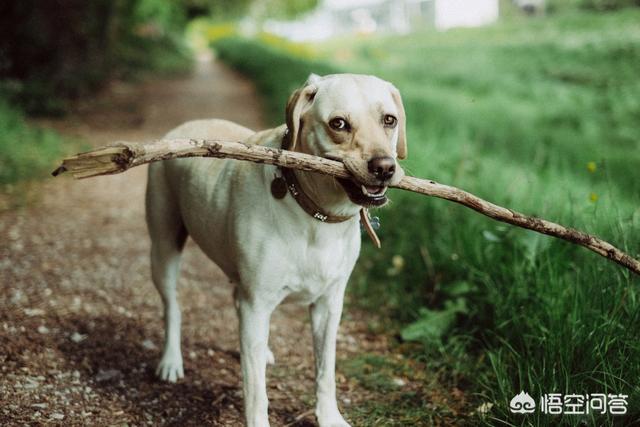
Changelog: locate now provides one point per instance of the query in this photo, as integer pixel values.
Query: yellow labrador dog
(278, 233)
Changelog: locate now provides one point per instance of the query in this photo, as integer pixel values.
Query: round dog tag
(278, 187)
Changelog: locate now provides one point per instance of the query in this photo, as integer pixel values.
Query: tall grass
(541, 116)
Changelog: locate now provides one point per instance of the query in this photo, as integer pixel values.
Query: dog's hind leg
(168, 236)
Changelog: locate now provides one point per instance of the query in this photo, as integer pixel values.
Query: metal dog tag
(375, 222)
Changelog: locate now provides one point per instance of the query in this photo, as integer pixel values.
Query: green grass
(541, 116)
(26, 152)
(393, 400)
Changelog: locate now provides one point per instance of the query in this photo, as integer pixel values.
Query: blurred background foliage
(594, 5)
(53, 53)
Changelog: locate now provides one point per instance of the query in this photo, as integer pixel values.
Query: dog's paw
(334, 423)
(271, 360)
(170, 368)
(331, 419)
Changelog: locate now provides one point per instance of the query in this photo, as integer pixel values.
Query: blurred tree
(225, 9)
(260, 9)
(51, 50)
(46, 43)
(57, 49)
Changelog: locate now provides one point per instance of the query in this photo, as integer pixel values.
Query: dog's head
(357, 119)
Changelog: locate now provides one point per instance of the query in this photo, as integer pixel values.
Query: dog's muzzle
(365, 195)
(368, 186)
(370, 179)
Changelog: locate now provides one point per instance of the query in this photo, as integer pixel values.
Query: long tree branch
(122, 156)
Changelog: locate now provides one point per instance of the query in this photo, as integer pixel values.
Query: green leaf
(458, 289)
(433, 324)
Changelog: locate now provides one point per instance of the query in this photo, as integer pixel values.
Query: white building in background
(464, 13)
(341, 17)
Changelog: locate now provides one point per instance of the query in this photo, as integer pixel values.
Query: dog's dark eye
(390, 121)
(339, 123)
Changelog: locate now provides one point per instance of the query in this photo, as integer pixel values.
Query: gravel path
(80, 321)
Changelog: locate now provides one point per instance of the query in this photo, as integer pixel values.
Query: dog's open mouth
(364, 195)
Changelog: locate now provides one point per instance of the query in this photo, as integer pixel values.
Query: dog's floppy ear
(298, 103)
(401, 148)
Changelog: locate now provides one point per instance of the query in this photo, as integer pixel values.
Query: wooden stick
(122, 156)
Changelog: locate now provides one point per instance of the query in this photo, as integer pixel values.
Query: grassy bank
(26, 152)
(542, 116)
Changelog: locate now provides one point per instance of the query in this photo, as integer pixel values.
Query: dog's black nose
(382, 168)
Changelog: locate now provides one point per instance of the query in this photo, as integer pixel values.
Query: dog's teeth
(380, 191)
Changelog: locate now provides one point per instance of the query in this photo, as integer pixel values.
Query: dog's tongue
(372, 189)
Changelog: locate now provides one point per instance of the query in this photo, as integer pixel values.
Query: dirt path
(80, 321)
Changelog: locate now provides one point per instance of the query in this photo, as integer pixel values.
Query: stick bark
(121, 156)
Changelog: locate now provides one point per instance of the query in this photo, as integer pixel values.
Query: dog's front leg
(325, 318)
(254, 336)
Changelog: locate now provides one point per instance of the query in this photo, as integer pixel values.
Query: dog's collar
(306, 203)
(289, 181)
(295, 189)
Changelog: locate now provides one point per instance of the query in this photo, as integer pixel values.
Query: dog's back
(165, 173)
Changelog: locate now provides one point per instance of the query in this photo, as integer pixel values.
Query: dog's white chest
(319, 260)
